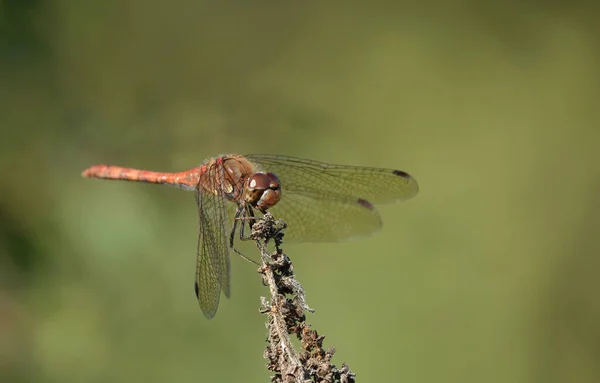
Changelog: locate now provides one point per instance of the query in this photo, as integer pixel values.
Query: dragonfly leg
(248, 218)
(245, 257)
(238, 213)
(239, 217)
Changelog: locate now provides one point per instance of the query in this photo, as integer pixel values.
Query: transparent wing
(323, 202)
(325, 219)
(212, 265)
(376, 185)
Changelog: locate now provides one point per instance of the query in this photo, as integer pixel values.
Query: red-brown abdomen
(185, 180)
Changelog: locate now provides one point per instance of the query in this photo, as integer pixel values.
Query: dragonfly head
(262, 191)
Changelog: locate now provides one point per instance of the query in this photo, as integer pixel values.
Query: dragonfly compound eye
(263, 190)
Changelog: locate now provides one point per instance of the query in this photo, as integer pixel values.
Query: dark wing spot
(401, 173)
(196, 289)
(365, 203)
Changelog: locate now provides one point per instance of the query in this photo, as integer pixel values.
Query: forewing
(325, 202)
(325, 218)
(376, 185)
(212, 266)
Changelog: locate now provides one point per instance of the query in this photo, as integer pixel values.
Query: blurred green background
(489, 275)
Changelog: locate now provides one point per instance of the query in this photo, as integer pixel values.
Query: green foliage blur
(490, 275)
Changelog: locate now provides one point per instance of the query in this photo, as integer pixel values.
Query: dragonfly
(320, 202)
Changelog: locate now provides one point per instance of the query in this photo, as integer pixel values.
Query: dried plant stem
(286, 316)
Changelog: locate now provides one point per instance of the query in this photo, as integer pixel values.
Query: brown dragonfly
(320, 202)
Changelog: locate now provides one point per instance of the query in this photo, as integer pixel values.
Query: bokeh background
(489, 275)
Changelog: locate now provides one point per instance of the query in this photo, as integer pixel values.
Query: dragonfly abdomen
(185, 180)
